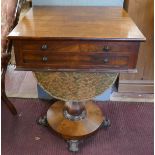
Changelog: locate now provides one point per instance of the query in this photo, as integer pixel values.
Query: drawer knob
(106, 48)
(45, 58)
(44, 47)
(106, 60)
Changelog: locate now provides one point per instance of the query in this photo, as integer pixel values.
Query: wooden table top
(84, 23)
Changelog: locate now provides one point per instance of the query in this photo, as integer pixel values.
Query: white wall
(79, 2)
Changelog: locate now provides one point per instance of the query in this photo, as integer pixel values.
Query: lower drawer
(85, 60)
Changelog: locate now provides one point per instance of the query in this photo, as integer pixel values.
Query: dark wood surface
(76, 38)
(76, 54)
(74, 129)
(105, 23)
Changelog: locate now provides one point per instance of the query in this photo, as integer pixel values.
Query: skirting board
(136, 86)
(132, 97)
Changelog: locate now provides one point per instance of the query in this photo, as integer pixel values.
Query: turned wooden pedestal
(74, 120)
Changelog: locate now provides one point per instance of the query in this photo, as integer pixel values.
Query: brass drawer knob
(106, 48)
(44, 47)
(105, 60)
(45, 59)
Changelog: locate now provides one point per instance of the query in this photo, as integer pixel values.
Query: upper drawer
(53, 46)
(109, 46)
(81, 46)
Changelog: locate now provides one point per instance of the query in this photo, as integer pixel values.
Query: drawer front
(76, 55)
(105, 46)
(77, 60)
(53, 46)
(82, 46)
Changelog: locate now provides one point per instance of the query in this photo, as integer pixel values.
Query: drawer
(109, 46)
(76, 54)
(52, 46)
(81, 46)
(75, 60)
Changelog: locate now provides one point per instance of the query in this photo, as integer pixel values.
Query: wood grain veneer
(76, 38)
(105, 23)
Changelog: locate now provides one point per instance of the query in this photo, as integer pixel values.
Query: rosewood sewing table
(90, 39)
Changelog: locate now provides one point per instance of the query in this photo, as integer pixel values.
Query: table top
(74, 22)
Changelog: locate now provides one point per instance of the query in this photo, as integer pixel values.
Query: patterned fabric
(75, 86)
(8, 8)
